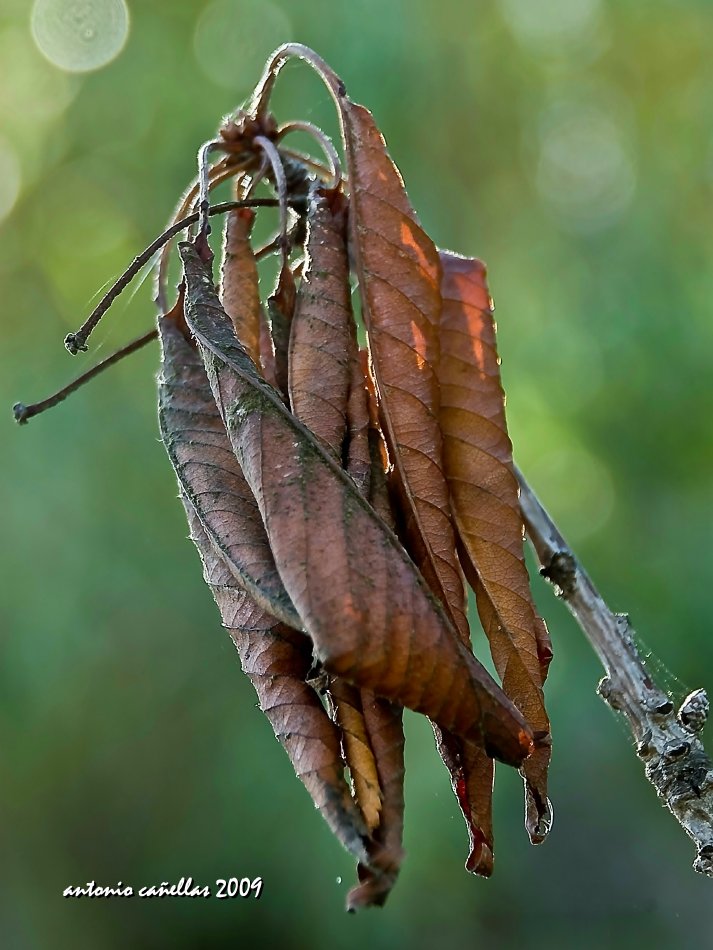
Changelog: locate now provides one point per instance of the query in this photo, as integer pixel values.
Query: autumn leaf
(399, 276)
(383, 720)
(239, 290)
(276, 657)
(240, 293)
(359, 755)
(322, 339)
(209, 474)
(384, 728)
(399, 273)
(484, 492)
(280, 310)
(267, 353)
(319, 367)
(277, 660)
(328, 394)
(357, 592)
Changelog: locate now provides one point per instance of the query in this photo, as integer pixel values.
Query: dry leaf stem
(667, 741)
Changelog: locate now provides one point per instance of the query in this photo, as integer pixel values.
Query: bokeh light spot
(9, 179)
(578, 487)
(233, 40)
(80, 35)
(546, 21)
(585, 174)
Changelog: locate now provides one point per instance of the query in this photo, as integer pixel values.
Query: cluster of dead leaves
(341, 498)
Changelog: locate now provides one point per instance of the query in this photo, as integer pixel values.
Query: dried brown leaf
(328, 394)
(399, 275)
(209, 474)
(240, 293)
(276, 657)
(478, 460)
(359, 755)
(321, 341)
(322, 327)
(398, 270)
(277, 660)
(280, 311)
(383, 720)
(384, 727)
(359, 595)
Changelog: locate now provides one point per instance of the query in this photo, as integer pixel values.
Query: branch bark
(667, 741)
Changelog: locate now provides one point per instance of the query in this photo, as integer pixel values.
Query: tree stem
(667, 741)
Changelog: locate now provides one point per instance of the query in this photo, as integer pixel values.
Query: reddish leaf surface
(280, 310)
(477, 796)
(240, 292)
(398, 270)
(478, 459)
(321, 342)
(322, 328)
(267, 353)
(358, 449)
(359, 596)
(327, 393)
(399, 275)
(209, 474)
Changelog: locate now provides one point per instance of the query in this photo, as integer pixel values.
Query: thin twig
(667, 741)
(295, 236)
(278, 172)
(78, 341)
(23, 413)
(261, 96)
(223, 170)
(203, 198)
(255, 180)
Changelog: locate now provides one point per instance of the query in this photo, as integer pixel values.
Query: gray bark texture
(667, 740)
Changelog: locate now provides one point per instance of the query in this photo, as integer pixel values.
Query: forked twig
(295, 236)
(667, 741)
(24, 413)
(78, 341)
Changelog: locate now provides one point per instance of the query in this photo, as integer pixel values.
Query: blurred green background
(567, 142)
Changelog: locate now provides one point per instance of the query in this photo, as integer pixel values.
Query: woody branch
(667, 740)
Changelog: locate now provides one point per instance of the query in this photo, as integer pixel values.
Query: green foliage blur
(570, 144)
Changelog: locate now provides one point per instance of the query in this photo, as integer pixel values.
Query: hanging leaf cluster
(343, 498)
